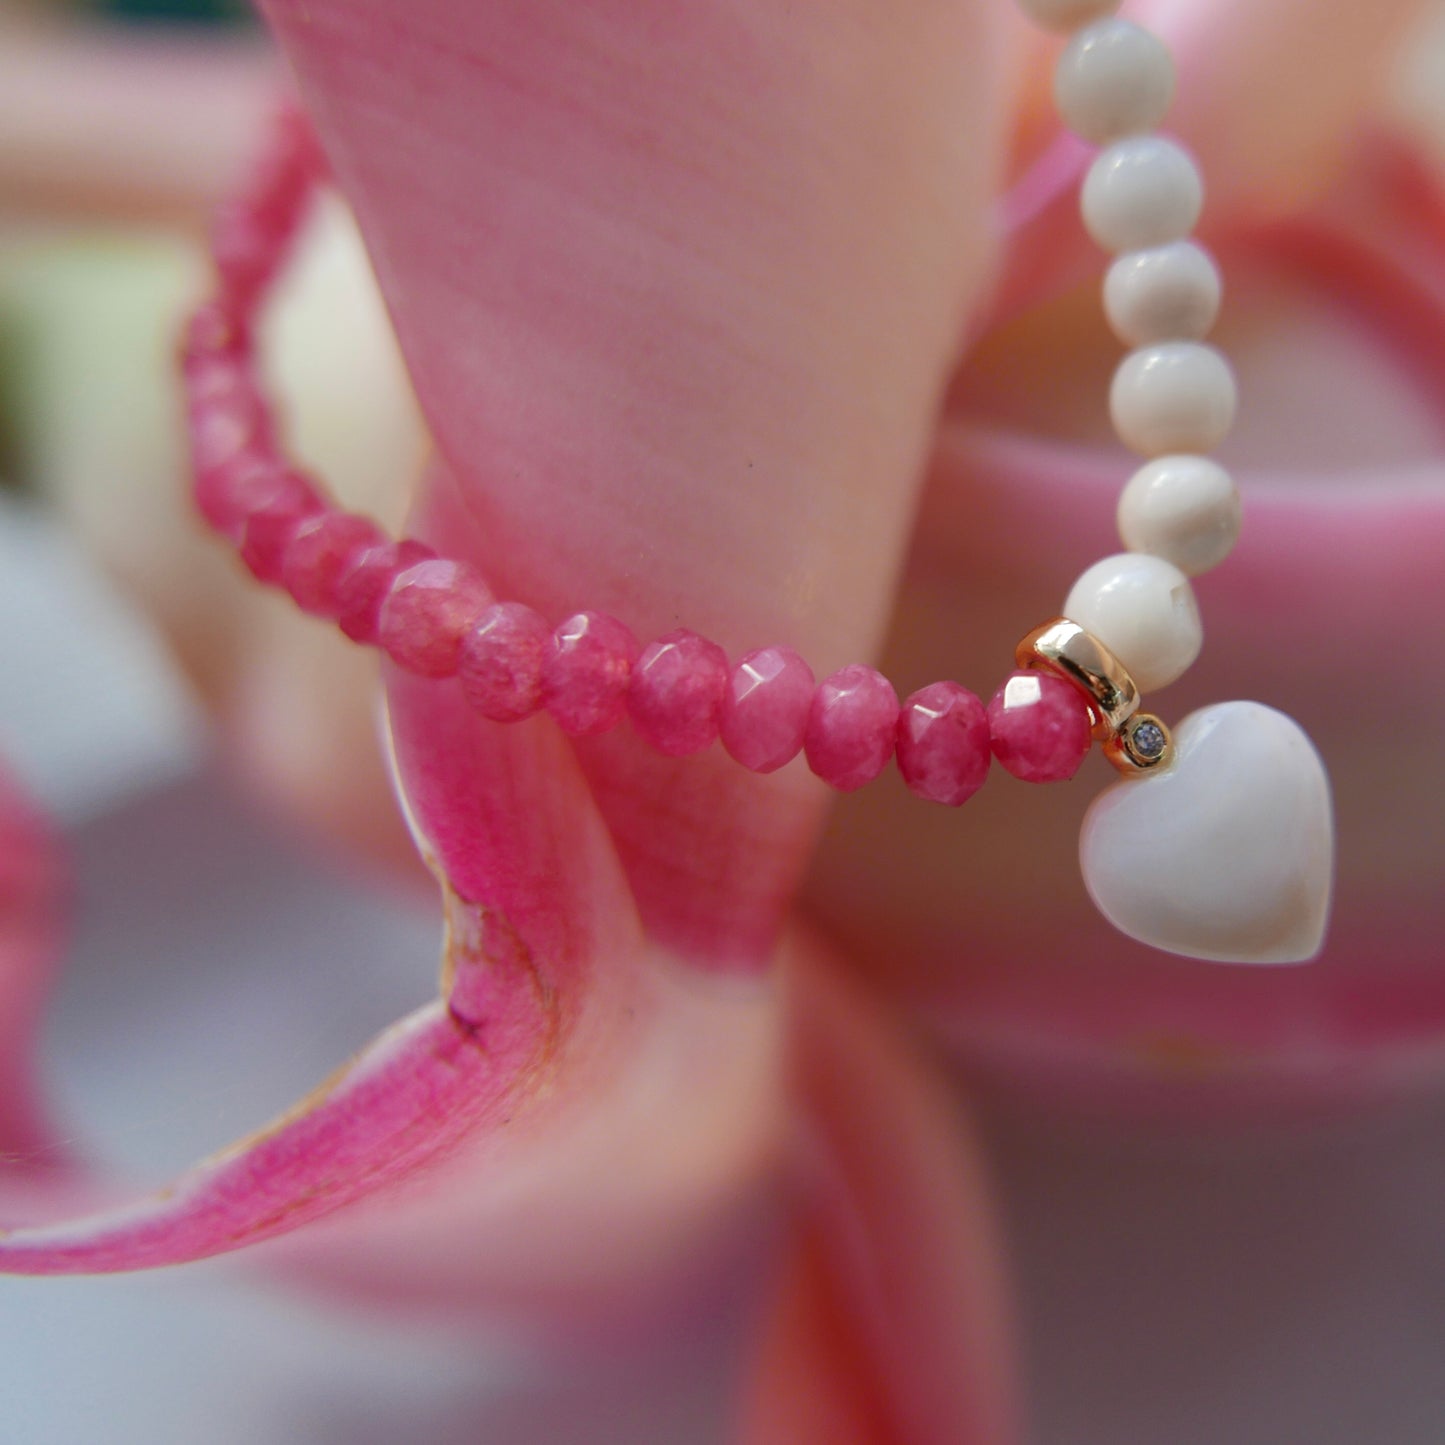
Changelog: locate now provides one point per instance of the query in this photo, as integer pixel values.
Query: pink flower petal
(564, 1131)
(31, 884)
(514, 1190)
(1270, 91)
(575, 299)
(891, 1324)
(678, 288)
(418, 1091)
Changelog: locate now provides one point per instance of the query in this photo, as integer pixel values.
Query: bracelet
(1244, 880)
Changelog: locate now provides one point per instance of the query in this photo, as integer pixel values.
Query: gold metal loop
(1133, 741)
(1066, 650)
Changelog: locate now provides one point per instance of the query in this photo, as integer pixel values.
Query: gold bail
(1133, 740)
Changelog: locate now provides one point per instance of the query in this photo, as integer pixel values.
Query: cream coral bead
(1143, 191)
(1114, 79)
(1184, 509)
(1168, 293)
(1066, 14)
(1178, 397)
(1142, 609)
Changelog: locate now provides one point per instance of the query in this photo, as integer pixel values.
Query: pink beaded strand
(318, 552)
(427, 611)
(269, 528)
(364, 581)
(438, 618)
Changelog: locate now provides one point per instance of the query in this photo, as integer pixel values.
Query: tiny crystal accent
(1148, 740)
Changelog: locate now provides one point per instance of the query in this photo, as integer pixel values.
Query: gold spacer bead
(1134, 741)
(1068, 651)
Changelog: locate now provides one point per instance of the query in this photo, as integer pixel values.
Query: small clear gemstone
(1148, 740)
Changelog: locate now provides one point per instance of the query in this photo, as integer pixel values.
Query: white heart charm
(1227, 853)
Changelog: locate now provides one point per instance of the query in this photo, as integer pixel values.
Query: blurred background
(1263, 1283)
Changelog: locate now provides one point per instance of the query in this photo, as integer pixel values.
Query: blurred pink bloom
(31, 883)
(684, 293)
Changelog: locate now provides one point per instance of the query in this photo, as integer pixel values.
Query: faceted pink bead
(227, 494)
(765, 708)
(851, 726)
(676, 691)
(222, 372)
(1040, 727)
(246, 248)
(213, 332)
(269, 527)
(275, 189)
(943, 743)
(501, 662)
(585, 673)
(427, 611)
(317, 553)
(366, 578)
(225, 423)
(224, 426)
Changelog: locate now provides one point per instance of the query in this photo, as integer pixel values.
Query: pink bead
(317, 553)
(501, 662)
(943, 743)
(676, 691)
(765, 708)
(222, 376)
(585, 673)
(1040, 727)
(269, 527)
(851, 725)
(277, 186)
(223, 423)
(427, 611)
(227, 494)
(213, 332)
(365, 580)
(247, 244)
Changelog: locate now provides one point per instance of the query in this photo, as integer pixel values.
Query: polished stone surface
(1227, 853)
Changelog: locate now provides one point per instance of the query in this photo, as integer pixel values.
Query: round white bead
(1066, 14)
(1184, 509)
(1114, 79)
(1143, 191)
(1142, 609)
(1168, 293)
(1177, 397)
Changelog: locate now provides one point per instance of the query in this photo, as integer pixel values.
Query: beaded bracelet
(1245, 879)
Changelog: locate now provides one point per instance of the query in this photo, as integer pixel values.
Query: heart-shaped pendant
(1226, 853)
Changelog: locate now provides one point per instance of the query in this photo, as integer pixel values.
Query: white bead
(1114, 79)
(1168, 293)
(1227, 852)
(1184, 509)
(1178, 397)
(1066, 14)
(1142, 609)
(1143, 191)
